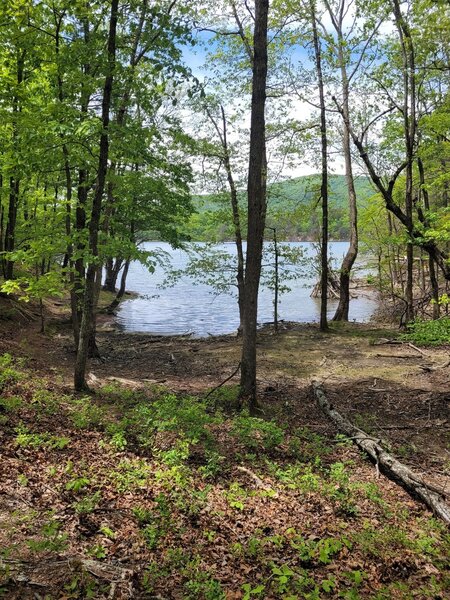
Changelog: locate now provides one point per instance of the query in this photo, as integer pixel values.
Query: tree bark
(257, 202)
(324, 181)
(122, 289)
(112, 270)
(88, 319)
(409, 129)
(342, 310)
(223, 137)
(14, 180)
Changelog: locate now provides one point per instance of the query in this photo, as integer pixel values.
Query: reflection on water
(189, 307)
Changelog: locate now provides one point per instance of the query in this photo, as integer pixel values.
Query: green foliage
(236, 496)
(306, 445)
(50, 540)
(98, 551)
(87, 504)
(25, 439)
(76, 484)
(85, 414)
(292, 208)
(11, 403)
(429, 333)
(8, 374)
(186, 416)
(256, 433)
(46, 401)
(130, 474)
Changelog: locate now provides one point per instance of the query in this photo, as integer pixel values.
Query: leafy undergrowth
(148, 495)
(429, 332)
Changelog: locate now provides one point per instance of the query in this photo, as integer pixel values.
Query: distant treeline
(293, 208)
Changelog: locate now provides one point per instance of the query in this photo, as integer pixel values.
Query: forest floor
(150, 489)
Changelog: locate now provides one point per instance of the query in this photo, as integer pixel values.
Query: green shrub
(429, 332)
(186, 416)
(25, 439)
(256, 433)
(11, 403)
(8, 374)
(86, 414)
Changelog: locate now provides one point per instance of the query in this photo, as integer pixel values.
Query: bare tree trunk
(324, 182)
(409, 126)
(431, 265)
(257, 203)
(342, 310)
(112, 270)
(122, 289)
(223, 136)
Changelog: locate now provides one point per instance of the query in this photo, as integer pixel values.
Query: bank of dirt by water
(395, 392)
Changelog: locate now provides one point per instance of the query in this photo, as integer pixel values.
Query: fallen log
(391, 466)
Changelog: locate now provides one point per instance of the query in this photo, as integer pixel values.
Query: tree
(324, 182)
(87, 328)
(257, 203)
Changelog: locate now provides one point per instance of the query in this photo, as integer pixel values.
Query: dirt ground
(82, 517)
(394, 391)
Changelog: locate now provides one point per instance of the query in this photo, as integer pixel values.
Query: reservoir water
(190, 307)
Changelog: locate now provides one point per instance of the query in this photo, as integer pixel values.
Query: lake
(190, 307)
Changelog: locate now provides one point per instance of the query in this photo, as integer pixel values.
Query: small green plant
(200, 583)
(282, 576)
(46, 401)
(306, 445)
(225, 398)
(251, 592)
(8, 374)
(108, 532)
(255, 433)
(97, 551)
(51, 540)
(77, 484)
(143, 515)
(11, 403)
(87, 504)
(236, 496)
(177, 455)
(131, 474)
(184, 415)
(86, 414)
(22, 480)
(213, 464)
(25, 439)
(118, 441)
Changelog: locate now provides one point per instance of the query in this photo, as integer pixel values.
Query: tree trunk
(342, 310)
(112, 270)
(14, 187)
(14, 180)
(431, 266)
(409, 132)
(120, 294)
(257, 202)
(88, 319)
(223, 137)
(324, 182)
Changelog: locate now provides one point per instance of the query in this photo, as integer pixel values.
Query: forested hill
(293, 208)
